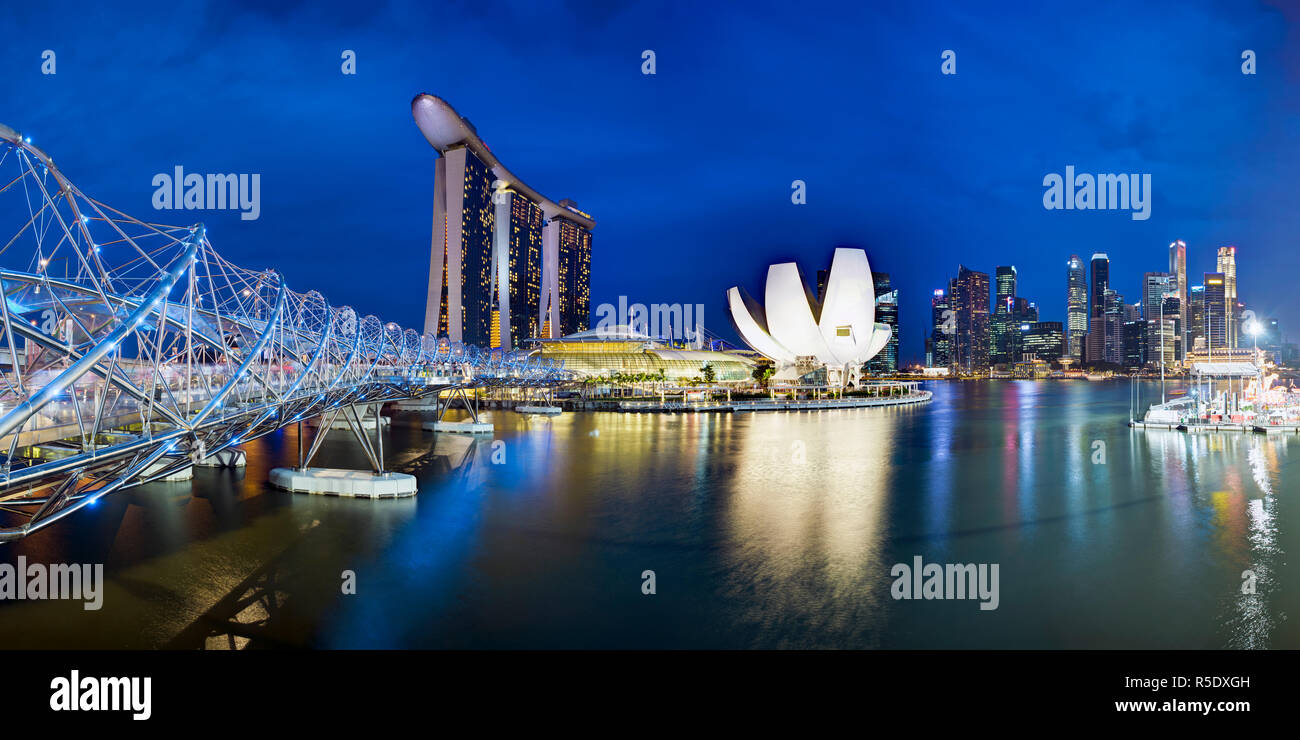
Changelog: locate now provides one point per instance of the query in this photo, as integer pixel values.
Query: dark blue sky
(688, 171)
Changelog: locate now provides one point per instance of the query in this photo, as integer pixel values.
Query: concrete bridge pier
(231, 457)
(474, 426)
(374, 483)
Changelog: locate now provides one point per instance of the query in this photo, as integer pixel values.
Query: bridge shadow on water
(286, 602)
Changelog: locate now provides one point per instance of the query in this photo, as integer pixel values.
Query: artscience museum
(804, 336)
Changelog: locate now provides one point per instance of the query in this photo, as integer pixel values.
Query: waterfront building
(1042, 340)
(506, 263)
(1099, 283)
(970, 297)
(1076, 307)
(1227, 266)
(1178, 269)
(1114, 314)
(1003, 329)
(1195, 317)
(942, 330)
(1215, 312)
(1155, 286)
(609, 352)
(886, 313)
(834, 337)
(1133, 338)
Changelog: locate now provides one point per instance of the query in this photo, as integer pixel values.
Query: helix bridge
(133, 350)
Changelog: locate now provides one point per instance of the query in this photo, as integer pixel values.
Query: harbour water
(765, 530)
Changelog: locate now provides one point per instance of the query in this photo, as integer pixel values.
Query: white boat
(1173, 412)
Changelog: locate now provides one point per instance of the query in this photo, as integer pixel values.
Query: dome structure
(800, 334)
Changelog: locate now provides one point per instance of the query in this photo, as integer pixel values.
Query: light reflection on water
(763, 530)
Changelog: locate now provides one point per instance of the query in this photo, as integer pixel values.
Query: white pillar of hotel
(448, 212)
(433, 309)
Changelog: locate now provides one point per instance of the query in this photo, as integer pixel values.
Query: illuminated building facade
(1178, 268)
(1227, 266)
(1100, 282)
(1042, 340)
(887, 314)
(1004, 331)
(1215, 312)
(942, 329)
(506, 264)
(1076, 307)
(970, 298)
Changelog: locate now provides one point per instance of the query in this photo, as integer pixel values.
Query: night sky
(688, 172)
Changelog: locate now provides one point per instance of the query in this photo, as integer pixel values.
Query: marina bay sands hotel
(506, 264)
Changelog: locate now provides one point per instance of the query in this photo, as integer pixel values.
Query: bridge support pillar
(375, 483)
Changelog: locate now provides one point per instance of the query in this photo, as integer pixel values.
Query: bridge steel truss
(132, 350)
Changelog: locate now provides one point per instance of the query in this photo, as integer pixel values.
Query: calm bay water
(763, 530)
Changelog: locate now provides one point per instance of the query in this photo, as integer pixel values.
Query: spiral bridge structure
(132, 350)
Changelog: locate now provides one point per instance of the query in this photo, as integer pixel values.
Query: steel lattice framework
(131, 350)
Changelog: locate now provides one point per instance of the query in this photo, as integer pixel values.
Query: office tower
(1155, 285)
(1003, 330)
(1215, 312)
(1171, 314)
(1112, 323)
(1132, 335)
(506, 263)
(1178, 268)
(1020, 313)
(1227, 265)
(886, 313)
(1195, 317)
(1098, 285)
(1076, 306)
(971, 306)
(1042, 340)
(942, 328)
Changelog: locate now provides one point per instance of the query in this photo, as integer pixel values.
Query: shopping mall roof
(1225, 369)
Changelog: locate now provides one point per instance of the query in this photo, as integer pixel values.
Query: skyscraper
(971, 306)
(1195, 317)
(1155, 287)
(1178, 268)
(505, 263)
(1227, 265)
(942, 328)
(1215, 312)
(1114, 314)
(1098, 285)
(886, 313)
(1043, 340)
(1003, 331)
(1076, 307)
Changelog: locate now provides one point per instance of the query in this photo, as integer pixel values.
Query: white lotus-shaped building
(801, 335)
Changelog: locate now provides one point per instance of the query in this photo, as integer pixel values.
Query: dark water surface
(763, 530)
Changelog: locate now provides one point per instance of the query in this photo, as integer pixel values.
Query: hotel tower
(506, 264)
